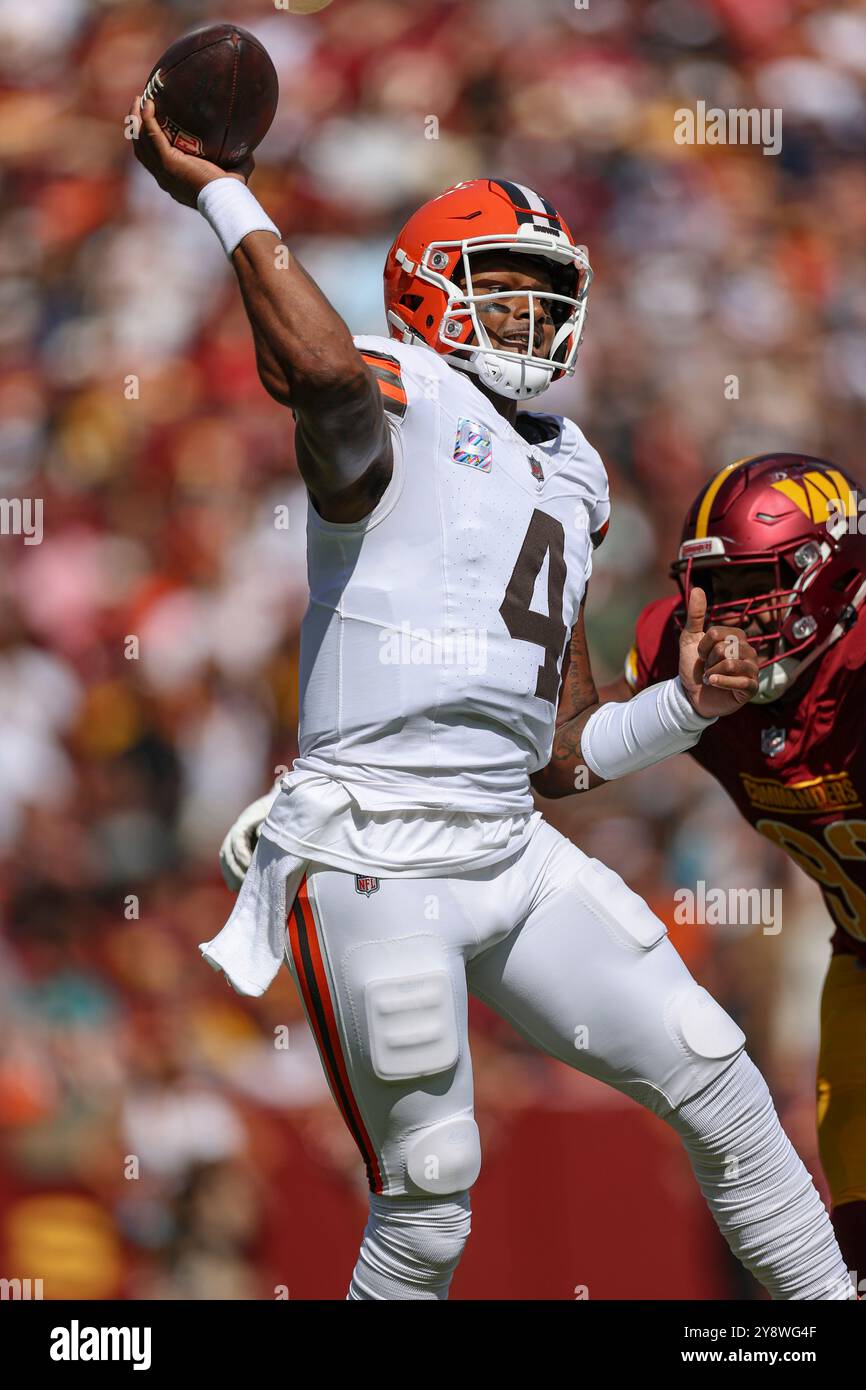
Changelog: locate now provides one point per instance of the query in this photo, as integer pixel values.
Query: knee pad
(444, 1158)
(701, 1027)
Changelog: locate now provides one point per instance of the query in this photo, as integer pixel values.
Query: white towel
(251, 946)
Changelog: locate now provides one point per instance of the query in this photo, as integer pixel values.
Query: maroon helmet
(799, 517)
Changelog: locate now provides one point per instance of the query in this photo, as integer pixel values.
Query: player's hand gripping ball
(215, 93)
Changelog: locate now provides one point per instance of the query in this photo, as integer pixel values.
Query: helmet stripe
(710, 496)
(531, 207)
(533, 199)
(544, 212)
(518, 198)
(554, 216)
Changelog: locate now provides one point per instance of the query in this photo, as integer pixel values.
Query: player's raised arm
(598, 739)
(308, 361)
(305, 353)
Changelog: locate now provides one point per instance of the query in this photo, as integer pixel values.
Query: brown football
(215, 91)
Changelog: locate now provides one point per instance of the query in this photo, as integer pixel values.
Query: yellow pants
(842, 1080)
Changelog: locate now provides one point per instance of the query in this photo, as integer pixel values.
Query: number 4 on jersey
(545, 536)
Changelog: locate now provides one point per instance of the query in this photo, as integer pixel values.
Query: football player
(775, 543)
(402, 864)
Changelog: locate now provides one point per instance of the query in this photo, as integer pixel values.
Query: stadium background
(120, 771)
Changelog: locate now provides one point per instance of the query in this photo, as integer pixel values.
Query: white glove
(239, 845)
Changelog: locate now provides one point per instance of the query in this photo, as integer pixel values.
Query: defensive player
(449, 548)
(775, 542)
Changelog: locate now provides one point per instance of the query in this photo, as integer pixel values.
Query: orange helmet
(423, 302)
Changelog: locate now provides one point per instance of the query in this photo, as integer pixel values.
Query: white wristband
(233, 212)
(625, 737)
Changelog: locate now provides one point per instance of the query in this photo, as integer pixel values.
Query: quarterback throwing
(401, 864)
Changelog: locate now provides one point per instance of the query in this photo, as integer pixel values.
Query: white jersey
(432, 647)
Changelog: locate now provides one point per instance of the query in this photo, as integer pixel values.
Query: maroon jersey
(796, 769)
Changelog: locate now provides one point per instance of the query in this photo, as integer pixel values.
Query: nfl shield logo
(536, 468)
(772, 742)
(366, 884)
(473, 447)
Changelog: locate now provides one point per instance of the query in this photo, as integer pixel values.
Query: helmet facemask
(787, 640)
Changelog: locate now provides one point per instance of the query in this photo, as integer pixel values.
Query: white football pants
(557, 944)
(550, 939)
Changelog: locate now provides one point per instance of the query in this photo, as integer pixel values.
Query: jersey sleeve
(388, 371)
(575, 458)
(411, 377)
(598, 502)
(655, 653)
(596, 499)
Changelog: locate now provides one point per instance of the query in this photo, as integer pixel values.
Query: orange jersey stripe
(393, 391)
(387, 373)
(384, 368)
(311, 970)
(383, 361)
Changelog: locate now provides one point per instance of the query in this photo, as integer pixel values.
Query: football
(215, 91)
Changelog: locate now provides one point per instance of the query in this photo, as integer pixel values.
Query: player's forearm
(615, 737)
(567, 773)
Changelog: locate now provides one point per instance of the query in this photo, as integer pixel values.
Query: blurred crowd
(149, 644)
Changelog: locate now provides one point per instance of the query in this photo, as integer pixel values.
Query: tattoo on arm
(578, 690)
(567, 773)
